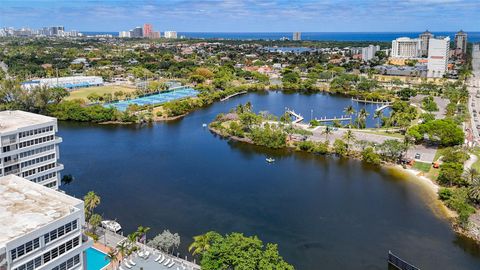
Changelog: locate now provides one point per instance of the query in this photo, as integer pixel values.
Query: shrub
(340, 147)
(369, 156)
(444, 194)
(459, 202)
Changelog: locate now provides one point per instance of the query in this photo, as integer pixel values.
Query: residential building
(170, 34)
(476, 57)
(124, 34)
(405, 47)
(369, 52)
(418, 70)
(461, 43)
(147, 30)
(40, 228)
(155, 34)
(297, 36)
(29, 147)
(424, 38)
(70, 82)
(438, 50)
(137, 32)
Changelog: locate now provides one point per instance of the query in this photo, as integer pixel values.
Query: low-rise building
(40, 228)
(70, 82)
(29, 147)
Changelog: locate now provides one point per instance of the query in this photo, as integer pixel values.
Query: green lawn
(422, 166)
(82, 93)
(476, 165)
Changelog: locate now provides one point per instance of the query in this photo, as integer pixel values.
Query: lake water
(324, 212)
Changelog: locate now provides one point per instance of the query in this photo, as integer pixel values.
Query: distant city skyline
(246, 15)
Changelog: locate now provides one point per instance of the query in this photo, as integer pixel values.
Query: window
(31, 265)
(35, 131)
(60, 231)
(61, 249)
(37, 160)
(70, 263)
(25, 248)
(36, 141)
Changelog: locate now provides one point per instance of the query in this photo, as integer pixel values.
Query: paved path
(473, 158)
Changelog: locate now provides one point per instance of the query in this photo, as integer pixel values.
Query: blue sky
(246, 15)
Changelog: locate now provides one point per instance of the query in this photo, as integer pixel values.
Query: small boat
(111, 225)
(204, 125)
(270, 160)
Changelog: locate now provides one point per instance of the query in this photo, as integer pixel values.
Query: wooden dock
(398, 263)
(341, 118)
(233, 95)
(298, 117)
(372, 101)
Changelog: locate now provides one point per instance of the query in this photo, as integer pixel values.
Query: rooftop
(26, 206)
(13, 120)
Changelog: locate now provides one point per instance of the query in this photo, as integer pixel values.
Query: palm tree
(122, 249)
(349, 111)
(471, 174)
(91, 200)
(378, 115)
(112, 255)
(202, 242)
(142, 233)
(362, 115)
(474, 190)
(327, 132)
(132, 238)
(349, 136)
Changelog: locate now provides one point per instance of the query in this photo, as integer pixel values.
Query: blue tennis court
(155, 99)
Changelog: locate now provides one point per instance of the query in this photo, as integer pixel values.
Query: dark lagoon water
(324, 212)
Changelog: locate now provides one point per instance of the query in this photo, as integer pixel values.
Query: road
(473, 85)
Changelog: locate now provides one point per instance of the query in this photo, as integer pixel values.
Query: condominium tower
(297, 36)
(425, 38)
(405, 47)
(369, 52)
(147, 30)
(29, 147)
(461, 43)
(170, 34)
(40, 228)
(438, 51)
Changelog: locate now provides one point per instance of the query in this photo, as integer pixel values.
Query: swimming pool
(155, 99)
(96, 259)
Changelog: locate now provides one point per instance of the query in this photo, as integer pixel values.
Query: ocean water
(324, 36)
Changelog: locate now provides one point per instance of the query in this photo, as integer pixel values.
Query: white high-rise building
(40, 228)
(405, 47)
(29, 147)
(124, 34)
(438, 51)
(297, 36)
(170, 34)
(369, 52)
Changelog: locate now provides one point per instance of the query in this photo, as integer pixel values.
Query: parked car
(418, 156)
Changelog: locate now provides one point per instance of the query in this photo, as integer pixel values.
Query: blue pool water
(96, 259)
(155, 99)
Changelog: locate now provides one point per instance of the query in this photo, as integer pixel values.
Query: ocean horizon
(314, 36)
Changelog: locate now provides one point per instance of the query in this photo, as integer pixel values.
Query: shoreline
(430, 187)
